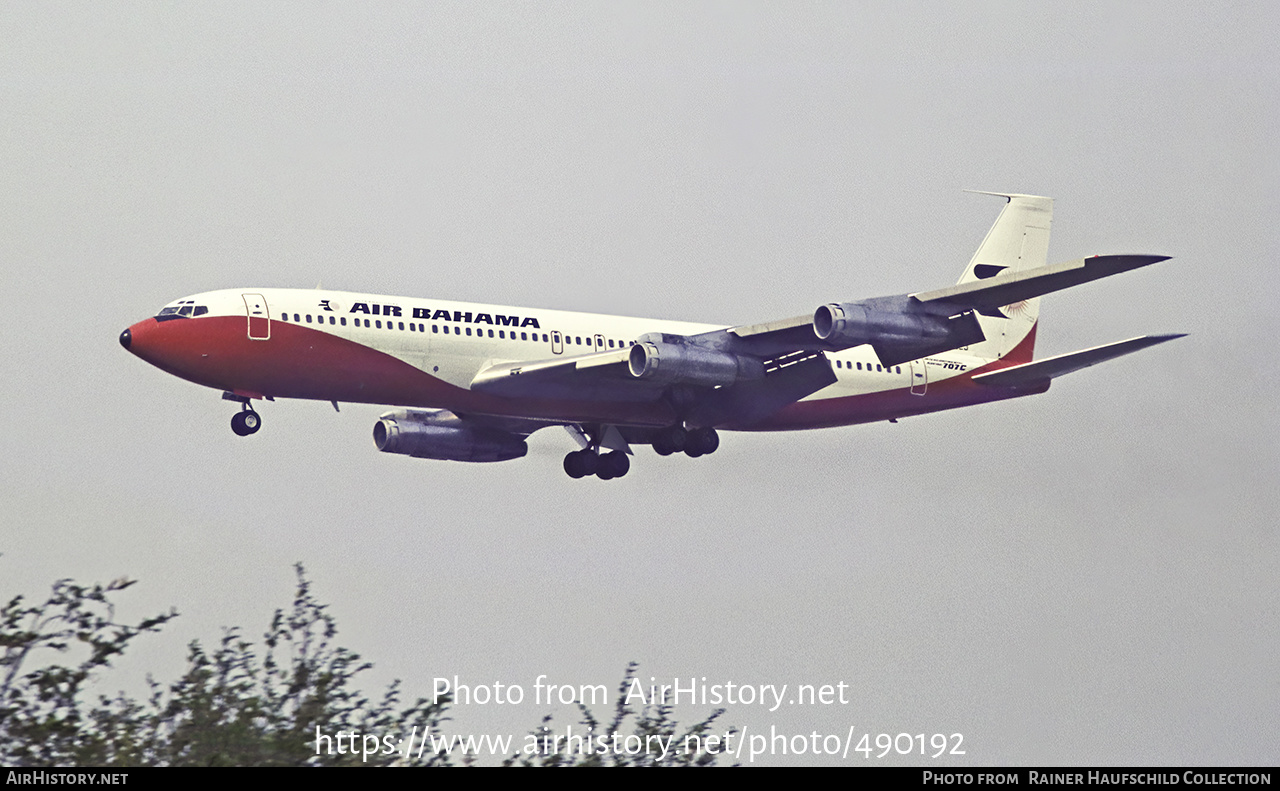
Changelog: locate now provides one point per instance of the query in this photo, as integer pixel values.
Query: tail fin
(1019, 240)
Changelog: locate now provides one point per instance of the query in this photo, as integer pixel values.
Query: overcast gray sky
(1085, 576)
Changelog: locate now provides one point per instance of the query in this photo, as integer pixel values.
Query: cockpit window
(182, 310)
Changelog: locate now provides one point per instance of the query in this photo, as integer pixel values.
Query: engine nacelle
(440, 434)
(667, 359)
(853, 324)
(898, 328)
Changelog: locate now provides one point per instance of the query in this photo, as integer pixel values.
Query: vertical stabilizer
(1019, 240)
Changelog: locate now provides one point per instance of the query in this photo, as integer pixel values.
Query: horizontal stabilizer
(1041, 371)
(1009, 287)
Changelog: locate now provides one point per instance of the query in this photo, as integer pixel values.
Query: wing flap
(787, 380)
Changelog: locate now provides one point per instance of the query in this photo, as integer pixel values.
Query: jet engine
(898, 328)
(670, 359)
(852, 324)
(440, 434)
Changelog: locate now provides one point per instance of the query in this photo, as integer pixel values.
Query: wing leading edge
(987, 296)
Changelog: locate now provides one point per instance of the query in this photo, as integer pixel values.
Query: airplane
(473, 381)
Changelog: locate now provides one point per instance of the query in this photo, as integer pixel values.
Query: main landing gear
(604, 466)
(694, 442)
(615, 464)
(246, 421)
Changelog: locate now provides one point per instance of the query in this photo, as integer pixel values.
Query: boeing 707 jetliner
(473, 381)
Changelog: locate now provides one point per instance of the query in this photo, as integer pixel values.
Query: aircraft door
(919, 378)
(557, 342)
(255, 306)
(599, 343)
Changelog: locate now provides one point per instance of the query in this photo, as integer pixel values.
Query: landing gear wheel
(670, 440)
(613, 465)
(246, 423)
(701, 442)
(581, 463)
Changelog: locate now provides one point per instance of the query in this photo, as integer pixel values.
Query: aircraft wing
(600, 375)
(768, 384)
(910, 326)
(1041, 371)
(1008, 287)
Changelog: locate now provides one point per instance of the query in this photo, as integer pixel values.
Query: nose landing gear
(246, 421)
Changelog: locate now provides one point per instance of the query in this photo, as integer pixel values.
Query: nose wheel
(246, 422)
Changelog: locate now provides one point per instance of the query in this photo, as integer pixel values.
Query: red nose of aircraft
(142, 340)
